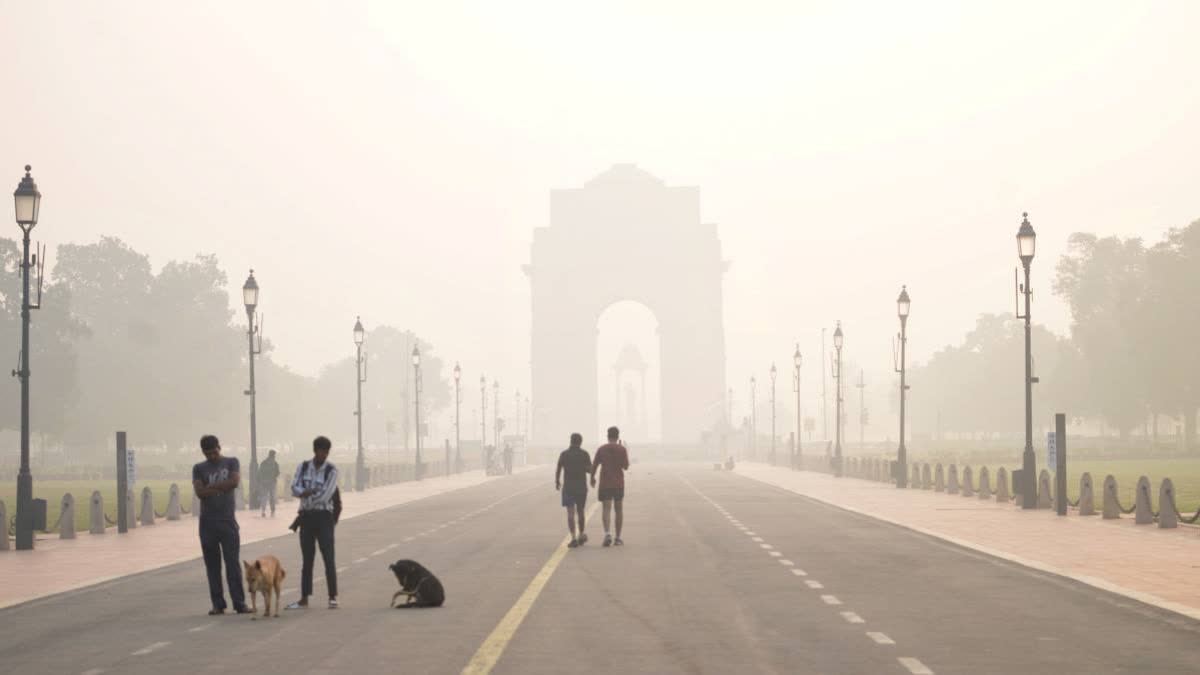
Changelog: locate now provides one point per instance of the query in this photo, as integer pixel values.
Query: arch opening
(628, 372)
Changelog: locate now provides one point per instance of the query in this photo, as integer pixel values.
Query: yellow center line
(493, 647)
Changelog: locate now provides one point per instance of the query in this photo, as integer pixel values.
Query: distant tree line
(117, 346)
(1131, 358)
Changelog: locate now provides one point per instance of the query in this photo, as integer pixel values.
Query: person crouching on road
(215, 480)
(314, 484)
(574, 466)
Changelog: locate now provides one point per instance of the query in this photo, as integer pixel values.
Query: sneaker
(582, 538)
(242, 610)
(618, 542)
(607, 540)
(297, 605)
(333, 604)
(574, 543)
(216, 611)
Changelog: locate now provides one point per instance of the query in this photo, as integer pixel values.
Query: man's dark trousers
(220, 539)
(316, 528)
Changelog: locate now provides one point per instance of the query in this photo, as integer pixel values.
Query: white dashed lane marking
(767, 546)
(409, 538)
(852, 617)
(880, 638)
(379, 552)
(813, 583)
(93, 671)
(914, 666)
(830, 600)
(789, 563)
(799, 572)
(360, 560)
(150, 648)
(775, 553)
(203, 626)
(343, 568)
(756, 538)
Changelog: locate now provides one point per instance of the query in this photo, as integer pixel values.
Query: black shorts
(574, 497)
(615, 494)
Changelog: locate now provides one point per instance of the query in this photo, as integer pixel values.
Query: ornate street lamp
(483, 422)
(418, 469)
(798, 462)
(27, 201)
(902, 307)
(457, 418)
(496, 414)
(360, 370)
(1026, 246)
(254, 347)
(837, 419)
(753, 420)
(773, 375)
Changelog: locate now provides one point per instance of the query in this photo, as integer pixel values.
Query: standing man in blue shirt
(214, 481)
(315, 483)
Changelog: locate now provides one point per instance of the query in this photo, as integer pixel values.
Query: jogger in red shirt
(612, 460)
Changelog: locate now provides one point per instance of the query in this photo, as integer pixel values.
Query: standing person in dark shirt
(574, 466)
(612, 460)
(214, 481)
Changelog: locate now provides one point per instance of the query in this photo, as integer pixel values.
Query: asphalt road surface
(719, 574)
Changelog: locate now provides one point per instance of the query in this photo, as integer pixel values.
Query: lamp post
(483, 418)
(457, 418)
(902, 307)
(416, 362)
(753, 420)
(254, 346)
(1026, 245)
(360, 376)
(496, 414)
(837, 419)
(796, 360)
(517, 412)
(27, 201)
(773, 375)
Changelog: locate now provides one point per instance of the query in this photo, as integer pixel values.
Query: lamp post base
(1028, 479)
(24, 512)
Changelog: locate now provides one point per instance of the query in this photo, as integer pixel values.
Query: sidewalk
(1142, 562)
(57, 565)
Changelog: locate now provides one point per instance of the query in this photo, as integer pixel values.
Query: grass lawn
(1185, 473)
(53, 490)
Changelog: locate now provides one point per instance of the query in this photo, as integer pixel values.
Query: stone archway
(625, 235)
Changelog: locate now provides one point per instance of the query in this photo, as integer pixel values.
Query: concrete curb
(1096, 582)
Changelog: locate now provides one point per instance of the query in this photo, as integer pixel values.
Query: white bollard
(1002, 485)
(130, 511)
(173, 502)
(96, 513)
(1045, 496)
(1143, 513)
(968, 484)
(147, 515)
(1087, 499)
(66, 518)
(952, 480)
(985, 485)
(939, 480)
(1112, 507)
(1168, 517)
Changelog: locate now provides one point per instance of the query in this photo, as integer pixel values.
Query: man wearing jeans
(214, 481)
(314, 484)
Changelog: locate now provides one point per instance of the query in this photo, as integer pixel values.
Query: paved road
(720, 574)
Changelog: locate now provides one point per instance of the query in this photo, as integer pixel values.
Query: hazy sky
(390, 159)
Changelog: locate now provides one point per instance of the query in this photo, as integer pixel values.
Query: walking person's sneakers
(574, 543)
(607, 540)
(582, 538)
(298, 604)
(333, 603)
(618, 542)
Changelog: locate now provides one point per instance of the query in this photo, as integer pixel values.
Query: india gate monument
(626, 236)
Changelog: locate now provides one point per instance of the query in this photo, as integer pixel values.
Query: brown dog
(265, 575)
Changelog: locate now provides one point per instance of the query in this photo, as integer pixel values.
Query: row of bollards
(947, 480)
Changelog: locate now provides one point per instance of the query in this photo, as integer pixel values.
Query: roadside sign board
(1051, 451)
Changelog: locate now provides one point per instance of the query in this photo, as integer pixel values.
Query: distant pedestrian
(268, 481)
(315, 484)
(574, 466)
(508, 458)
(215, 481)
(612, 459)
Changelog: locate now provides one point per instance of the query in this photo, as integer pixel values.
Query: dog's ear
(258, 564)
(246, 565)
